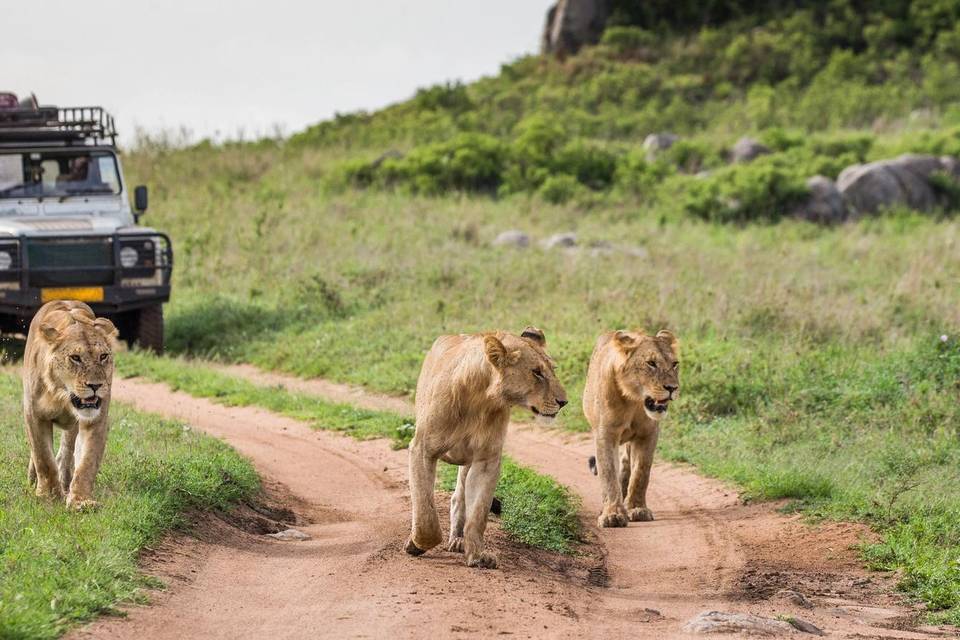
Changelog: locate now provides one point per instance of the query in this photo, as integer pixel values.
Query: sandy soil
(706, 550)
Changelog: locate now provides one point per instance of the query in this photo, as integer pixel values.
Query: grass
(57, 568)
(536, 510)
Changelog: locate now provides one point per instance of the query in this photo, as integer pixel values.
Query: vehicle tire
(149, 328)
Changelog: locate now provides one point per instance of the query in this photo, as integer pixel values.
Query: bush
(468, 162)
(743, 193)
(628, 39)
(559, 189)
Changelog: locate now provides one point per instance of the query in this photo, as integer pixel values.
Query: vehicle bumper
(115, 299)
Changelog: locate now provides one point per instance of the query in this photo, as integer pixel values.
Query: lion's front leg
(481, 481)
(91, 440)
(65, 457)
(43, 467)
(614, 514)
(458, 511)
(425, 530)
(641, 460)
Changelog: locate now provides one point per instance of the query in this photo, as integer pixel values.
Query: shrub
(559, 188)
(628, 39)
(742, 193)
(468, 162)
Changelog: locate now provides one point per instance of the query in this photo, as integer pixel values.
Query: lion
(466, 389)
(67, 375)
(631, 381)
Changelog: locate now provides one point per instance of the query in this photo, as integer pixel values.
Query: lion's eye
(103, 357)
(538, 374)
(652, 364)
(76, 358)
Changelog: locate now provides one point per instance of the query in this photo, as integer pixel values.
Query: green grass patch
(536, 509)
(58, 568)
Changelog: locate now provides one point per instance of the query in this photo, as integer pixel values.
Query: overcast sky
(222, 66)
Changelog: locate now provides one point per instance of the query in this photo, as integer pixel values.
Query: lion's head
(525, 374)
(650, 370)
(80, 359)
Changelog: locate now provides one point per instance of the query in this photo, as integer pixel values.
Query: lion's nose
(562, 403)
(94, 387)
(670, 388)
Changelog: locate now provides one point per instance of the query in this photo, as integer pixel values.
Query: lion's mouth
(537, 412)
(92, 402)
(656, 406)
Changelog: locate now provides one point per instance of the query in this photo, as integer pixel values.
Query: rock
(806, 627)
(795, 597)
(571, 24)
(560, 240)
(748, 149)
(654, 143)
(719, 622)
(290, 535)
(512, 238)
(905, 180)
(824, 204)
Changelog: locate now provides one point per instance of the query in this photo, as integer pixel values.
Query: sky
(219, 68)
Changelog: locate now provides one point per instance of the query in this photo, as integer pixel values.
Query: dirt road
(704, 552)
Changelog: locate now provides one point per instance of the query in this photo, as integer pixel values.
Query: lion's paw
(609, 520)
(413, 549)
(483, 560)
(82, 504)
(50, 492)
(640, 514)
(455, 545)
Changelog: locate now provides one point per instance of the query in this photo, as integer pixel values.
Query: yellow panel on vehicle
(83, 294)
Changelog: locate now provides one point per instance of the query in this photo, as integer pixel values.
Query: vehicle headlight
(128, 257)
(6, 260)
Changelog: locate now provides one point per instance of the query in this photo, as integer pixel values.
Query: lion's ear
(107, 327)
(536, 335)
(50, 332)
(496, 352)
(663, 334)
(625, 341)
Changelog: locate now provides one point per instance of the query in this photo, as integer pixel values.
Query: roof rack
(57, 126)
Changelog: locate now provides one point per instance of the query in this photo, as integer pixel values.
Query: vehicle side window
(108, 173)
(51, 172)
(11, 170)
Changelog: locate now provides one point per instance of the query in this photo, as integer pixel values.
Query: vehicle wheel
(149, 328)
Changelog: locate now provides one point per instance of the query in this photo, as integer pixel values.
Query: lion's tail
(592, 463)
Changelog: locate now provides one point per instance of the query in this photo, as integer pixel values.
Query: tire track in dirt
(705, 551)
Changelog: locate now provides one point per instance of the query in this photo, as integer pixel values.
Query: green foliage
(535, 509)
(59, 568)
(559, 189)
(743, 193)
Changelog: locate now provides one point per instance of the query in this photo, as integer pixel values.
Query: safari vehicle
(66, 227)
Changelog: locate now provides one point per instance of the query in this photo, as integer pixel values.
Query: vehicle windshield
(58, 174)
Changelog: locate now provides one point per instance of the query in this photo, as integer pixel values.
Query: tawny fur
(466, 388)
(626, 370)
(68, 349)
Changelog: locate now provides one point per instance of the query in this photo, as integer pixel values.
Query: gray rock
(824, 204)
(654, 143)
(795, 597)
(512, 238)
(747, 149)
(290, 535)
(719, 622)
(571, 24)
(560, 241)
(905, 180)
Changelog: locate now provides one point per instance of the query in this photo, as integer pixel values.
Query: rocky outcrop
(571, 24)
(512, 238)
(655, 143)
(905, 180)
(744, 623)
(746, 149)
(824, 204)
(560, 241)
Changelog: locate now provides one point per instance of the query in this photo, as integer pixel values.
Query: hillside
(819, 362)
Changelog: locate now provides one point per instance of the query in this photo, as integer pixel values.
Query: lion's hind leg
(458, 511)
(425, 530)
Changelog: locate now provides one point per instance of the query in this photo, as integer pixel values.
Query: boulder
(654, 143)
(824, 204)
(290, 535)
(745, 623)
(905, 180)
(512, 238)
(747, 149)
(570, 24)
(560, 241)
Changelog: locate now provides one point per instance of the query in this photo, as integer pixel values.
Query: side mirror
(140, 199)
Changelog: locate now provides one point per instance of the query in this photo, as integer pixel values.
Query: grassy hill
(819, 364)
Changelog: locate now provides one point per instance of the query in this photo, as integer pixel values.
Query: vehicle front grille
(64, 263)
